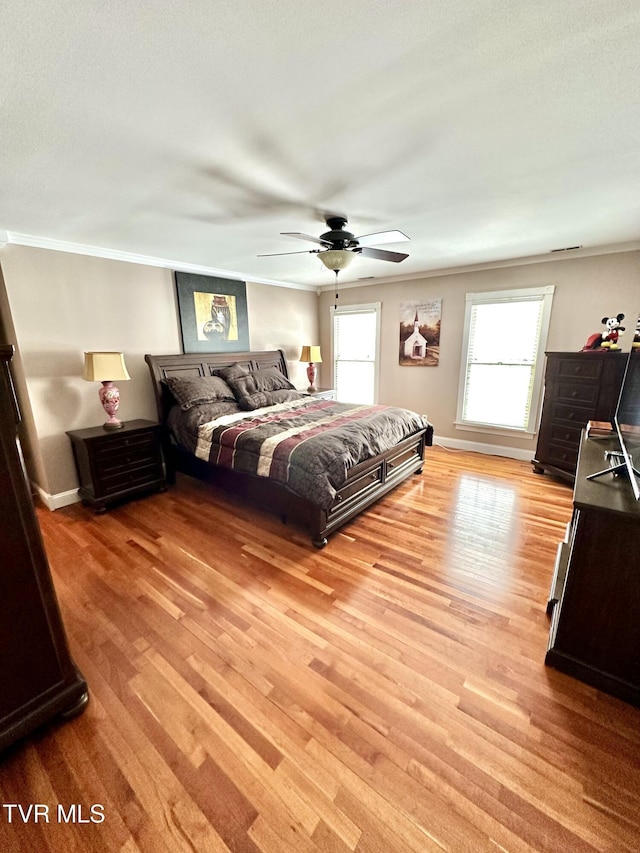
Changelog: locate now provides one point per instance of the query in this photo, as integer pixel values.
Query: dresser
(578, 387)
(595, 593)
(39, 679)
(119, 464)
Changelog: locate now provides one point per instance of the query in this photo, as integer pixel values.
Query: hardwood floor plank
(387, 693)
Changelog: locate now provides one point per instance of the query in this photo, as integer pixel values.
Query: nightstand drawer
(128, 479)
(127, 458)
(122, 445)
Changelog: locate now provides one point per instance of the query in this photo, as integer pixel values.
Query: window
(355, 353)
(505, 333)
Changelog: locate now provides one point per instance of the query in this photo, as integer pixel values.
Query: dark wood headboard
(204, 364)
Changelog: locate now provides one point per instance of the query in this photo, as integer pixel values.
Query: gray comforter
(307, 445)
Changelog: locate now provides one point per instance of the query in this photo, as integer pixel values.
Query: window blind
(504, 335)
(355, 347)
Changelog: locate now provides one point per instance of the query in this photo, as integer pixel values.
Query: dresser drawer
(560, 434)
(570, 414)
(582, 367)
(582, 393)
(561, 456)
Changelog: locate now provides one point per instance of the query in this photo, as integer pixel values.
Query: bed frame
(366, 482)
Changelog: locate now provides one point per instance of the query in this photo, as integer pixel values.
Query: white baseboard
(489, 449)
(57, 501)
(61, 499)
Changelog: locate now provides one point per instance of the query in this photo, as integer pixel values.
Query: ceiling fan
(339, 247)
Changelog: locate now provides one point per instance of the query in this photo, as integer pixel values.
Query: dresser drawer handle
(578, 368)
(571, 416)
(574, 393)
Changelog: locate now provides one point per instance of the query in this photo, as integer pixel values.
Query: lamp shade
(104, 367)
(311, 354)
(336, 259)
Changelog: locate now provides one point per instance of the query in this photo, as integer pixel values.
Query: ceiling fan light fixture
(336, 259)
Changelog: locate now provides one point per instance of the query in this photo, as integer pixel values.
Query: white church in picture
(415, 345)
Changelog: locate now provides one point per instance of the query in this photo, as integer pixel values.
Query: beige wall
(586, 289)
(63, 304)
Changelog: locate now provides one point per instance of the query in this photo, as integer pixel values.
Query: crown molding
(131, 258)
(12, 237)
(609, 249)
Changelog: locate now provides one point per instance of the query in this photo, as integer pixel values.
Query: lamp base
(110, 399)
(311, 376)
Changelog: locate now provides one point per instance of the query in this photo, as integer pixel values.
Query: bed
(315, 462)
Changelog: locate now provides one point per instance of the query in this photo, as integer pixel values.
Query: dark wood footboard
(366, 484)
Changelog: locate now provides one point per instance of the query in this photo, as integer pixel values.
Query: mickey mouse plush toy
(613, 331)
(636, 336)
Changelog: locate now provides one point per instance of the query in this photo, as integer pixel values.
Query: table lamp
(107, 367)
(311, 354)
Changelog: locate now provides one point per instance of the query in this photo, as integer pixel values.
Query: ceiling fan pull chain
(335, 306)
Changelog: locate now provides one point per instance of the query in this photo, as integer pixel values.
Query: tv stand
(617, 464)
(595, 595)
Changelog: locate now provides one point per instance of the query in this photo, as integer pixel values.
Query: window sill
(494, 430)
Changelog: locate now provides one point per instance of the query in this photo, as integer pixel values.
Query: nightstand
(321, 393)
(118, 464)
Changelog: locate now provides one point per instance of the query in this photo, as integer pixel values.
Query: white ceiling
(196, 132)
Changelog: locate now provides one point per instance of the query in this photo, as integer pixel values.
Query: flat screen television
(627, 421)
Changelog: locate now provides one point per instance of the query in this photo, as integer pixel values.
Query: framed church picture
(213, 313)
(420, 333)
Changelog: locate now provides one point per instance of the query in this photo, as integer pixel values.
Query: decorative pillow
(194, 390)
(268, 398)
(232, 372)
(258, 388)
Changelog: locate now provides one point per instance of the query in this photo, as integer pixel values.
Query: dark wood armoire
(40, 681)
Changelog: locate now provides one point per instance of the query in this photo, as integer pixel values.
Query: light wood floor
(250, 693)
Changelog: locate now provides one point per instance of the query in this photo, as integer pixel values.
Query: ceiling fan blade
(382, 254)
(300, 236)
(382, 237)
(301, 252)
